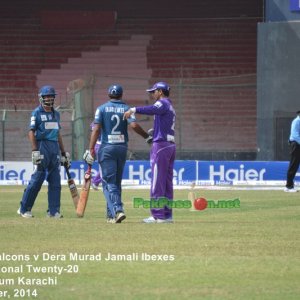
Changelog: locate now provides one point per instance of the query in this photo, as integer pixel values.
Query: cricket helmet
(47, 90)
(115, 91)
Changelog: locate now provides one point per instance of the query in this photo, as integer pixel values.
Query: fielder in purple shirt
(163, 149)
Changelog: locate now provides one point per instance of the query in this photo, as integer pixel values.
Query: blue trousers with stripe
(49, 169)
(112, 160)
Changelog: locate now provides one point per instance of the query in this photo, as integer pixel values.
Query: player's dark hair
(166, 93)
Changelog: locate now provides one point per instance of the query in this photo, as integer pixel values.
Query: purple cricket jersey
(162, 155)
(164, 119)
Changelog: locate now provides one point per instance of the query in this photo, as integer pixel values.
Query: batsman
(48, 154)
(112, 128)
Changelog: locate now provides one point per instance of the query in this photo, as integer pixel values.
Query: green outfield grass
(251, 252)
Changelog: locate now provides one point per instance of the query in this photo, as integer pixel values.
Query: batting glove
(150, 131)
(88, 157)
(149, 139)
(65, 159)
(36, 157)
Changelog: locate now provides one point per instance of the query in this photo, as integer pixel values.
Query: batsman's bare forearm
(139, 130)
(61, 144)
(94, 136)
(127, 114)
(32, 140)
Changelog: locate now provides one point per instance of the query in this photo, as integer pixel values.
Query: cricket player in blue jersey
(294, 142)
(163, 149)
(48, 154)
(110, 125)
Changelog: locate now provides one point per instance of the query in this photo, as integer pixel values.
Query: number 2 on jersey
(117, 118)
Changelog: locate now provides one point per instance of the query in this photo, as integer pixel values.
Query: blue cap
(159, 86)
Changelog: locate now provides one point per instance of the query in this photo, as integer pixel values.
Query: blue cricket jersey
(113, 128)
(46, 125)
(295, 130)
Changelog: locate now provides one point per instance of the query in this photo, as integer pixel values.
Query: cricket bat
(84, 194)
(192, 195)
(72, 188)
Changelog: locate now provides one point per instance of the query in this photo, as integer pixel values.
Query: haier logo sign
(143, 173)
(184, 171)
(246, 171)
(139, 172)
(235, 174)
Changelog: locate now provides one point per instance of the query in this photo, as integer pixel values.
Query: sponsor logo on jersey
(158, 104)
(51, 125)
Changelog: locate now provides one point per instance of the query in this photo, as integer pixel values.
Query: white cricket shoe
(110, 220)
(57, 215)
(170, 220)
(120, 216)
(290, 190)
(149, 220)
(27, 214)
